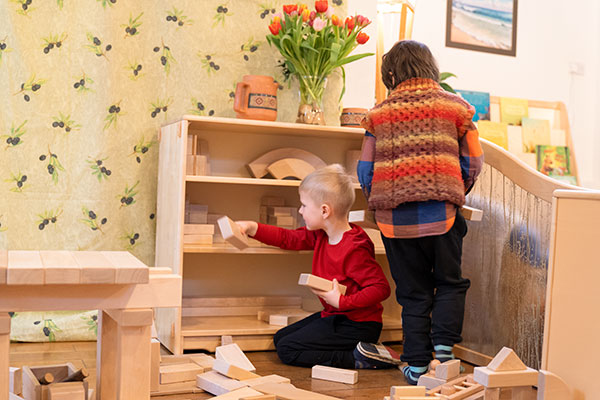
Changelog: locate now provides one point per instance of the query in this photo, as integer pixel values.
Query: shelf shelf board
(226, 248)
(246, 181)
(233, 125)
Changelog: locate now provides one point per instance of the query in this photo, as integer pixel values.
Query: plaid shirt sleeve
(470, 153)
(364, 169)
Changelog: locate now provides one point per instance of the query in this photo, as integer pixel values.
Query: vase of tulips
(313, 44)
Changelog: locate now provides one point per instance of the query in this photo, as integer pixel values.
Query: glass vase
(311, 90)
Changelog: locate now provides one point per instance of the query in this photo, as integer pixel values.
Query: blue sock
(443, 353)
(412, 373)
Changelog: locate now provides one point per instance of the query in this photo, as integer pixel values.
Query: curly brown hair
(408, 59)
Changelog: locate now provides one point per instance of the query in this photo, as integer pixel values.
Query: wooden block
(231, 233)
(285, 319)
(217, 384)
(177, 388)
(179, 372)
(3, 266)
(15, 380)
(280, 211)
(552, 387)
(198, 229)
(335, 374)
(396, 391)
(492, 394)
(233, 371)
(281, 220)
(198, 239)
(129, 269)
(239, 394)
(363, 218)
(290, 168)
(288, 391)
(448, 370)
(60, 268)
(95, 268)
(203, 360)
(491, 379)
(154, 364)
(259, 167)
(190, 148)
(260, 397)
(318, 283)
(233, 355)
(506, 360)
(471, 214)
(226, 339)
(267, 379)
(67, 391)
(430, 381)
(189, 165)
(12, 396)
(272, 200)
(25, 268)
(5, 321)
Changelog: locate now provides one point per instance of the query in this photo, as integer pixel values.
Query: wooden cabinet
(220, 270)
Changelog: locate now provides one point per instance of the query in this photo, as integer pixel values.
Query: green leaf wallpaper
(84, 87)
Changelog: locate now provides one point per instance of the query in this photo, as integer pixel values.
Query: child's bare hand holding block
(248, 227)
(331, 297)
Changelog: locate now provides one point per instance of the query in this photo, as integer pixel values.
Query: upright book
(495, 132)
(479, 100)
(553, 160)
(513, 110)
(535, 132)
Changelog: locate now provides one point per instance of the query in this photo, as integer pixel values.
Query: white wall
(551, 34)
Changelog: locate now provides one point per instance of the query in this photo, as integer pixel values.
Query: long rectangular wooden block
(281, 220)
(238, 394)
(397, 391)
(492, 379)
(129, 269)
(198, 239)
(267, 379)
(233, 371)
(198, 229)
(281, 211)
(60, 267)
(471, 214)
(231, 233)
(335, 374)
(232, 354)
(318, 283)
(217, 384)
(285, 319)
(25, 268)
(363, 218)
(95, 268)
(179, 372)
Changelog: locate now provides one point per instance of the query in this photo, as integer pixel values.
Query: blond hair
(331, 185)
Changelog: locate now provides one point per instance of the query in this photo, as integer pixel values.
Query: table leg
(4, 353)
(125, 365)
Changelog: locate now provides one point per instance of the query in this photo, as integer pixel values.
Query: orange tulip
(290, 8)
(275, 28)
(305, 14)
(350, 23)
(276, 20)
(335, 20)
(362, 38)
(321, 6)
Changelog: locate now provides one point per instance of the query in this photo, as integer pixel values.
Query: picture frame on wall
(482, 25)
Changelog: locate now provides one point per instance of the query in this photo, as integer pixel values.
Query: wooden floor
(372, 384)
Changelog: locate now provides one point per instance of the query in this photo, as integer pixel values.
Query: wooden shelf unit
(220, 270)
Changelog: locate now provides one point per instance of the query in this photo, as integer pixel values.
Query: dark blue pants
(324, 341)
(431, 290)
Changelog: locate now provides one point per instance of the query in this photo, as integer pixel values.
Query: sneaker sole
(377, 356)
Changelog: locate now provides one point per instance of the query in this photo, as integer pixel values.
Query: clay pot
(256, 98)
(352, 116)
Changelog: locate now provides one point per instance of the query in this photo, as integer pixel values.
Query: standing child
(420, 156)
(340, 335)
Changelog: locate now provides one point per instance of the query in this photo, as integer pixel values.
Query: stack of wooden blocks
(274, 212)
(197, 162)
(196, 229)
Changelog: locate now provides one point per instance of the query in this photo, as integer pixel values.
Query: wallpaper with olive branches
(84, 87)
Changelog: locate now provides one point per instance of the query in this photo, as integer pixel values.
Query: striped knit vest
(416, 152)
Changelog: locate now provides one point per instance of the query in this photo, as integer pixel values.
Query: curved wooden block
(552, 387)
(290, 168)
(258, 167)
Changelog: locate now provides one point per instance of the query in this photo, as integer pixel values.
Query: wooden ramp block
(471, 214)
(128, 268)
(3, 266)
(498, 379)
(232, 233)
(318, 283)
(290, 168)
(15, 380)
(239, 394)
(288, 391)
(233, 371)
(448, 370)
(61, 268)
(506, 360)
(258, 167)
(95, 268)
(233, 355)
(25, 268)
(400, 391)
(267, 379)
(217, 384)
(179, 372)
(552, 387)
(335, 374)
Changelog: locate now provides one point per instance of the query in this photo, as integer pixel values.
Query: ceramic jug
(256, 98)
(352, 116)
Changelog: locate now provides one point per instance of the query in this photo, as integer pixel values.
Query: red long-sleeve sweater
(351, 261)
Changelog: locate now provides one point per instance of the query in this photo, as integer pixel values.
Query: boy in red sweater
(342, 334)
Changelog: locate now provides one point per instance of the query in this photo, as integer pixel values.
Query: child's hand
(248, 227)
(331, 297)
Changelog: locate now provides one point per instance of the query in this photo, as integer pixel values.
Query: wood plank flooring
(372, 384)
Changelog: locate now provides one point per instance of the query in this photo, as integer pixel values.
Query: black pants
(324, 341)
(431, 290)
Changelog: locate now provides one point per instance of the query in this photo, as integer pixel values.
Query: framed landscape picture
(482, 25)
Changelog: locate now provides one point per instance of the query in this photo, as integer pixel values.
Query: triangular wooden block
(506, 360)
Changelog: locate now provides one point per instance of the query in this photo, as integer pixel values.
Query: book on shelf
(513, 110)
(479, 100)
(555, 162)
(535, 132)
(495, 132)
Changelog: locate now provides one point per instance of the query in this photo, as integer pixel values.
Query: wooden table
(122, 288)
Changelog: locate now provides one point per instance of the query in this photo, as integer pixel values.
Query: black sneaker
(375, 356)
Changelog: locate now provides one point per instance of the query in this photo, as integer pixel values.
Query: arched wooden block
(258, 167)
(552, 387)
(290, 168)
